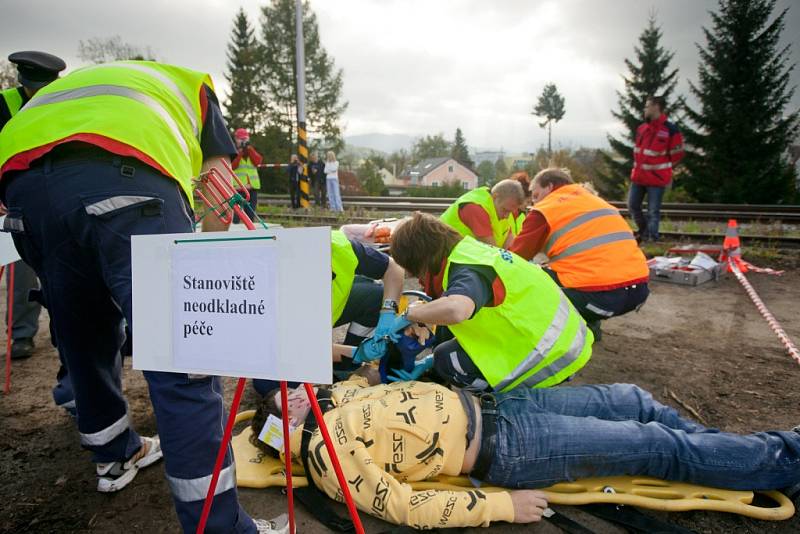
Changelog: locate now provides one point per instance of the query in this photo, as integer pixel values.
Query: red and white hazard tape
(762, 308)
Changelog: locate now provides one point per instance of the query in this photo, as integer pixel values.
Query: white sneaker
(279, 525)
(114, 476)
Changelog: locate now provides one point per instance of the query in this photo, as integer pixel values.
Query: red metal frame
(219, 188)
(7, 386)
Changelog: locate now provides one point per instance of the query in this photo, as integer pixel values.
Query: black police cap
(37, 69)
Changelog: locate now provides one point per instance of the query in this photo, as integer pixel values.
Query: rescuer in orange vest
(592, 251)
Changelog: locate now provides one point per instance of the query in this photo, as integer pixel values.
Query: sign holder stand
(224, 202)
(9, 329)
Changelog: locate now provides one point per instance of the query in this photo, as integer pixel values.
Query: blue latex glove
(370, 349)
(420, 366)
(384, 328)
(399, 323)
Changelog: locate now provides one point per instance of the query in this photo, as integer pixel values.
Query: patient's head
(298, 407)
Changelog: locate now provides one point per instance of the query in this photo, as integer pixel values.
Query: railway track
(787, 214)
(300, 218)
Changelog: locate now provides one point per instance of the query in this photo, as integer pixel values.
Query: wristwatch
(390, 304)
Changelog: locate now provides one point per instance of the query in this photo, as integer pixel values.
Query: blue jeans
(545, 436)
(79, 244)
(648, 225)
(334, 194)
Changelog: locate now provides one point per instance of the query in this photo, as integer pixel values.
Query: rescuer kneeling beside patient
(508, 323)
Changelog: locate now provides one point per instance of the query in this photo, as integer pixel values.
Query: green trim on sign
(223, 239)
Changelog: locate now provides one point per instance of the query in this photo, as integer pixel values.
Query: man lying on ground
(388, 435)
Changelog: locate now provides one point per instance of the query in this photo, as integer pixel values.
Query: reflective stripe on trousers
(112, 204)
(578, 221)
(544, 346)
(195, 489)
(101, 437)
(593, 242)
(112, 90)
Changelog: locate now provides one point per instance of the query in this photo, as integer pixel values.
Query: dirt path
(707, 345)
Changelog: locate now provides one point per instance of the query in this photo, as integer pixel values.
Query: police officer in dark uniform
(35, 70)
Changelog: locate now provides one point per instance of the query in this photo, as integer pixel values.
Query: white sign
(291, 274)
(223, 297)
(8, 252)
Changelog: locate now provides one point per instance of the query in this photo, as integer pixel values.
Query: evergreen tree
(460, 152)
(741, 129)
(648, 74)
(550, 106)
(278, 81)
(244, 107)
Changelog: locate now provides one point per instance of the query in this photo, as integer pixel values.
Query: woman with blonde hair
(332, 181)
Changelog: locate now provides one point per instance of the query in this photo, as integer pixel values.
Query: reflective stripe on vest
(591, 243)
(195, 489)
(586, 217)
(533, 328)
(101, 437)
(648, 152)
(343, 267)
(571, 356)
(113, 90)
(543, 346)
(13, 100)
(187, 106)
(153, 108)
(656, 167)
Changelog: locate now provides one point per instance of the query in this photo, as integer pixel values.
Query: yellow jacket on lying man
(383, 440)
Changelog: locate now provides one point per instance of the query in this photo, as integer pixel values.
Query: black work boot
(22, 348)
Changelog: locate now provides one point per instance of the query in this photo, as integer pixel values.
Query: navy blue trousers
(77, 218)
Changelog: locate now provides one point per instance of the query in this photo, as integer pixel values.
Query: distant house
(515, 162)
(349, 184)
(433, 172)
(487, 155)
(387, 177)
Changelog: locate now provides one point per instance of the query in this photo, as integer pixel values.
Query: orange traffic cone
(731, 248)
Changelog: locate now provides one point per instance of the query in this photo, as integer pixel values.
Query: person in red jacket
(659, 146)
(245, 165)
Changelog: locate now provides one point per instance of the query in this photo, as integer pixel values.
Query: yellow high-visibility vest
(533, 338)
(152, 107)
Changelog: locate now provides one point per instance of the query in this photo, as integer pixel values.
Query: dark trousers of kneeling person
(361, 310)
(251, 207)
(77, 239)
(596, 306)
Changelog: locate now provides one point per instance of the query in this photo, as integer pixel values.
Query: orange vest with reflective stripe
(589, 243)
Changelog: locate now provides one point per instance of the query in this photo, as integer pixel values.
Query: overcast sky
(417, 66)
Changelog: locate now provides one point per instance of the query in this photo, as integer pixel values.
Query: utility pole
(302, 139)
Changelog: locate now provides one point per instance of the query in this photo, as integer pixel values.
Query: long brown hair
(268, 406)
(422, 243)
